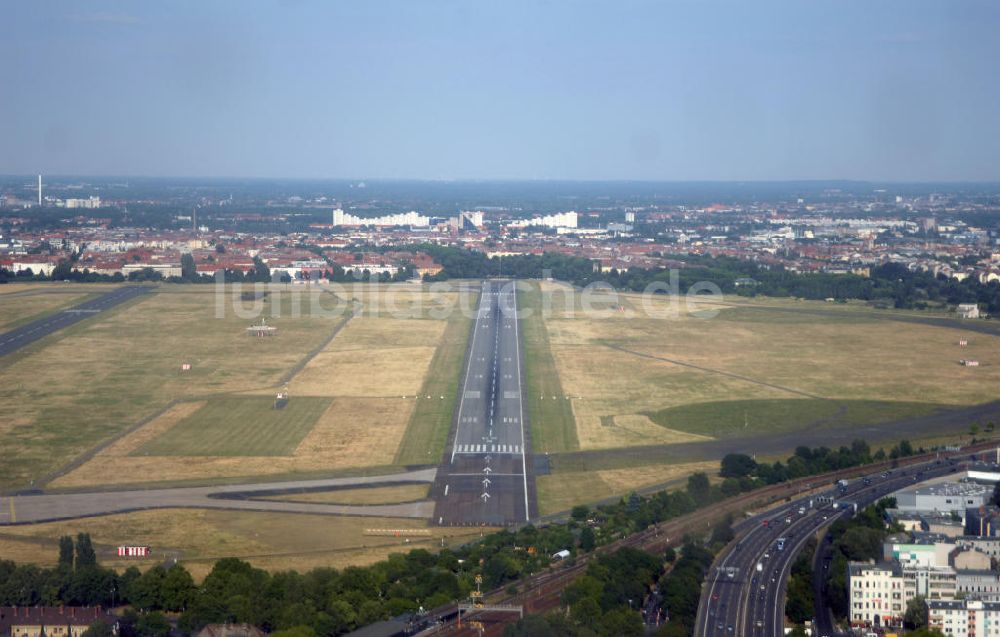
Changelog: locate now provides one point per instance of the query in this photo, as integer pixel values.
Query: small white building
(968, 310)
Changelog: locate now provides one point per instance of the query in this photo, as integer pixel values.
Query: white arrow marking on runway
(485, 497)
(486, 482)
(487, 470)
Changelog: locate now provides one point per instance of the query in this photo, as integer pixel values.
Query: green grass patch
(553, 427)
(240, 426)
(731, 418)
(427, 432)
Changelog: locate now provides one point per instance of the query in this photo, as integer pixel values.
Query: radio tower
(39, 191)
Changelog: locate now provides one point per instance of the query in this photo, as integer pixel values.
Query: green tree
(587, 540)
(146, 593)
(62, 271)
(620, 622)
(152, 624)
(586, 612)
(177, 588)
(698, 487)
(737, 465)
(916, 613)
(66, 552)
(580, 512)
(342, 615)
(99, 629)
(189, 271)
(85, 555)
(296, 631)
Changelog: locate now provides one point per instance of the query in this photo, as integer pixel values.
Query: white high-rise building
(558, 220)
(89, 202)
(341, 218)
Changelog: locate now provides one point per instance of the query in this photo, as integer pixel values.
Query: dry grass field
(103, 376)
(559, 492)
(372, 356)
(350, 433)
(637, 372)
(758, 367)
(197, 537)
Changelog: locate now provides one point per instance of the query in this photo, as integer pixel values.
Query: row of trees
(738, 468)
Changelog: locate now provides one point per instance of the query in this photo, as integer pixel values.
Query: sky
(897, 90)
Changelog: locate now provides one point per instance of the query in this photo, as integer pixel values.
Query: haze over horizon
(672, 91)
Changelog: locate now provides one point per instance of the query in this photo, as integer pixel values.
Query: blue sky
(902, 90)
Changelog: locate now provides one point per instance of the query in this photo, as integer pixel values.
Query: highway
(485, 477)
(740, 599)
(29, 333)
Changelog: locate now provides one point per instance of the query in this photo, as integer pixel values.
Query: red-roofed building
(51, 621)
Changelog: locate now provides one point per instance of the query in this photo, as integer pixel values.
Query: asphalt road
(485, 477)
(29, 333)
(738, 599)
(46, 507)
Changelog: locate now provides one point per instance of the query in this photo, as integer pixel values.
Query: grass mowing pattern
(742, 417)
(553, 427)
(240, 426)
(427, 432)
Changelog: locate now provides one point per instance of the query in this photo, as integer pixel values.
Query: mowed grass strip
(240, 426)
(731, 418)
(427, 432)
(553, 427)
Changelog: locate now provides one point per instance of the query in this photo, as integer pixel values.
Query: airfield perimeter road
(17, 338)
(740, 599)
(29, 509)
(485, 476)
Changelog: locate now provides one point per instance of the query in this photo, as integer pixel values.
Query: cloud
(104, 18)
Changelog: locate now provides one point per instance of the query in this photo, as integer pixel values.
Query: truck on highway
(842, 484)
(781, 544)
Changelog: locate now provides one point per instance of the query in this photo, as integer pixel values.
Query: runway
(485, 476)
(26, 334)
(47, 507)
